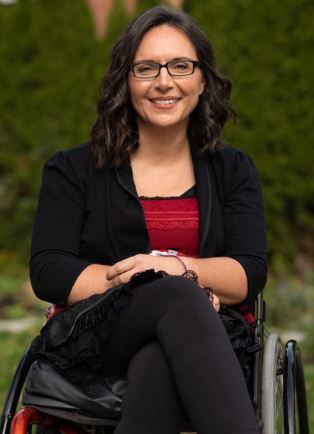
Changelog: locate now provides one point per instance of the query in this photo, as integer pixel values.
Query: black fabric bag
(48, 389)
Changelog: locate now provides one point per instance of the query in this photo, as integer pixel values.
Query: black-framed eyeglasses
(176, 68)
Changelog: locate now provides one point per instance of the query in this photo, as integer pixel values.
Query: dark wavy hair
(114, 135)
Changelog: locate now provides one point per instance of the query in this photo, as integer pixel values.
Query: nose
(164, 79)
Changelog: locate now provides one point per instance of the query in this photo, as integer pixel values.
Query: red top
(173, 224)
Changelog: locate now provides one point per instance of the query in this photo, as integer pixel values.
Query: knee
(170, 293)
(182, 298)
(175, 287)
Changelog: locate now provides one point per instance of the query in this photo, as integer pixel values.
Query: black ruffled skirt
(73, 339)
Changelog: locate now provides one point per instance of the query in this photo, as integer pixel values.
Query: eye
(145, 68)
(181, 65)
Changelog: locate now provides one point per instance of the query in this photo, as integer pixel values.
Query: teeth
(164, 101)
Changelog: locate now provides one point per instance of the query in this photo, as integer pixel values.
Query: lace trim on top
(173, 224)
(191, 192)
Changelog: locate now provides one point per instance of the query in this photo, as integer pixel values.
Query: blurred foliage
(265, 47)
(16, 296)
(50, 72)
(289, 310)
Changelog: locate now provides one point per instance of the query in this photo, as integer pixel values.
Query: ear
(202, 86)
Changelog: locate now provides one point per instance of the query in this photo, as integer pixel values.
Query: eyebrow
(155, 61)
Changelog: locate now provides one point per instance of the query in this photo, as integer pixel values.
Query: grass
(12, 347)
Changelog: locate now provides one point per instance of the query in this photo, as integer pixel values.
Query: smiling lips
(163, 102)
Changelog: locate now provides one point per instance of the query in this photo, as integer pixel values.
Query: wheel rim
(272, 386)
(279, 418)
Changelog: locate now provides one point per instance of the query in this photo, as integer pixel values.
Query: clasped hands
(122, 271)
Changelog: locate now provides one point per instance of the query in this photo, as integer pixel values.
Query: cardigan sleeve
(55, 263)
(244, 223)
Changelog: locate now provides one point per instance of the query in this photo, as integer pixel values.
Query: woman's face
(165, 101)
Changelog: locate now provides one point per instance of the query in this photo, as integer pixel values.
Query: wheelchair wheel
(295, 405)
(272, 386)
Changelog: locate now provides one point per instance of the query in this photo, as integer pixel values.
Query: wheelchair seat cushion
(48, 388)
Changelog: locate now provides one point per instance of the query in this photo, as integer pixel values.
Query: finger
(124, 278)
(217, 307)
(217, 304)
(120, 268)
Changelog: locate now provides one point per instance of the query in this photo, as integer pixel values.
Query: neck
(162, 144)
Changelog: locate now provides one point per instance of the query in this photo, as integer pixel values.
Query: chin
(166, 123)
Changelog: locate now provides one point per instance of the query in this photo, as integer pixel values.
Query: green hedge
(266, 49)
(50, 72)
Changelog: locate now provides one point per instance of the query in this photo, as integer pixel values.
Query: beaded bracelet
(190, 274)
(209, 293)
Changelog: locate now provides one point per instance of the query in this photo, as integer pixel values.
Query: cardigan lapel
(136, 220)
(204, 195)
(125, 179)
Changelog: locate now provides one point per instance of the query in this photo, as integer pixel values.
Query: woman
(156, 189)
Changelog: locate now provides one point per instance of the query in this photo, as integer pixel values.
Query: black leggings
(179, 359)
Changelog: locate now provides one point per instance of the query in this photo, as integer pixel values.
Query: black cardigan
(87, 216)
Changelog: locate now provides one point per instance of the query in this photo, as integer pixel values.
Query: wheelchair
(276, 386)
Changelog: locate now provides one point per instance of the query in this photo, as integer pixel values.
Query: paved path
(17, 325)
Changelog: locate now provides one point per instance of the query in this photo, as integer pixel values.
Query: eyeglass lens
(152, 69)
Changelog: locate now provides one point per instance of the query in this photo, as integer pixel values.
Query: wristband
(170, 253)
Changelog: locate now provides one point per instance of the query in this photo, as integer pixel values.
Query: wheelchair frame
(278, 393)
(277, 390)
